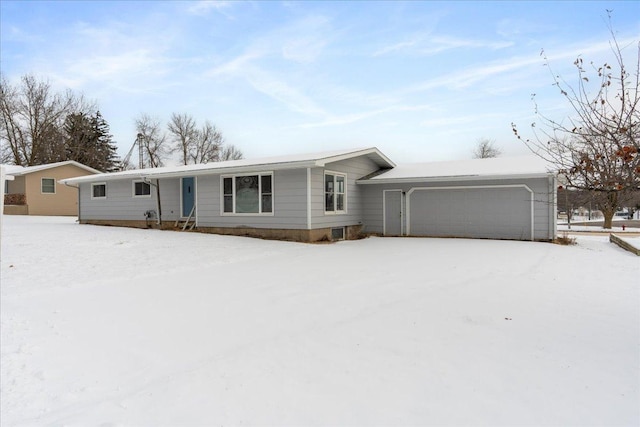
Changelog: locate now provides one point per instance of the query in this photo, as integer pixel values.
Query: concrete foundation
(309, 236)
(16, 209)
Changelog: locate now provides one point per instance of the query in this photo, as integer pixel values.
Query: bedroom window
(141, 189)
(335, 192)
(247, 194)
(48, 185)
(99, 191)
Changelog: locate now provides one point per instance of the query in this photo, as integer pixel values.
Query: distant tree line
(183, 137)
(40, 126)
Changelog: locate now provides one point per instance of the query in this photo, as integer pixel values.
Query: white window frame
(335, 210)
(233, 192)
(133, 189)
(94, 184)
(41, 185)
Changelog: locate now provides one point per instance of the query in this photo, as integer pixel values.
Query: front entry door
(392, 213)
(188, 196)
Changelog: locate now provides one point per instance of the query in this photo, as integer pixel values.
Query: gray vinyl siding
(170, 198)
(355, 169)
(289, 203)
(543, 209)
(121, 205)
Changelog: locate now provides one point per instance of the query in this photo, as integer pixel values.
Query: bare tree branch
(485, 149)
(595, 148)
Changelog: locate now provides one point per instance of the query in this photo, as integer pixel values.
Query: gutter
(77, 188)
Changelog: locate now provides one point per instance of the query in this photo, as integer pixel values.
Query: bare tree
(152, 140)
(202, 145)
(183, 130)
(230, 152)
(596, 149)
(31, 120)
(485, 149)
(208, 143)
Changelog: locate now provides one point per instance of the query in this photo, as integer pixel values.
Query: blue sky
(422, 81)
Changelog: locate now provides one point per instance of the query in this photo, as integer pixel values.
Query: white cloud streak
(429, 45)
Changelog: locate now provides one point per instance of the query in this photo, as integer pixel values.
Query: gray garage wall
(544, 202)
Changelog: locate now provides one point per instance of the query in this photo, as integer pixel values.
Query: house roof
(14, 170)
(460, 170)
(244, 165)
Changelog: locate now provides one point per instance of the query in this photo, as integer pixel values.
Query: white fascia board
(151, 174)
(234, 170)
(455, 178)
(39, 168)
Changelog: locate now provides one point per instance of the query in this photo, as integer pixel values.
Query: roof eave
(385, 161)
(188, 173)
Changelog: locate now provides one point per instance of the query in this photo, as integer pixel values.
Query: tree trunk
(608, 218)
(609, 209)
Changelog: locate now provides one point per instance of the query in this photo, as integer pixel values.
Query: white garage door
(494, 212)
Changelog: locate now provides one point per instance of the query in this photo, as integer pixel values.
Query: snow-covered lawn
(114, 326)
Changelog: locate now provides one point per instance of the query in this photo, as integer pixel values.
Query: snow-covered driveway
(114, 326)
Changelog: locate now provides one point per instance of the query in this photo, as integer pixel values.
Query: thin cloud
(303, 40)
(430, 45)
(471, 76)
(246, 67)
(355, 117)
(205, 7)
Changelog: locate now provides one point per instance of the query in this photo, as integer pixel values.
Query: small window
(247, 194)
(337, 233)
(48, 185)
(99, 191)
(335, 192)
(141, 189)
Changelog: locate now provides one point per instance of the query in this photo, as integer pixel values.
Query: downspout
(158, 205)
(308, 198)
(553, 207)
(77, 188)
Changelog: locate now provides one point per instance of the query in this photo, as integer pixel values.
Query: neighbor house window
(247, 194)
(335, 192)
(48, 185)
(99, 191)
(141, 189)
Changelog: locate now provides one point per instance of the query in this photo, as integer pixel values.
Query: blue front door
(188, 195)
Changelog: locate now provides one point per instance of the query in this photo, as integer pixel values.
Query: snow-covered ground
(113, 326)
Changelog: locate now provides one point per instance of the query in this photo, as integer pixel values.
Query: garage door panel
(471, 212)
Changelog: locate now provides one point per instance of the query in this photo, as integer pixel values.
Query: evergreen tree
(88, 141)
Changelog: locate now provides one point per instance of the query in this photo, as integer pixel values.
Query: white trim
(233, 189)
(384, 212)
(31, 169)
(93, 184)
(468, 187)
(133, 189)
(308, 198)
(324, 190)
(244, 167)
(54, 185)
(195, 198)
